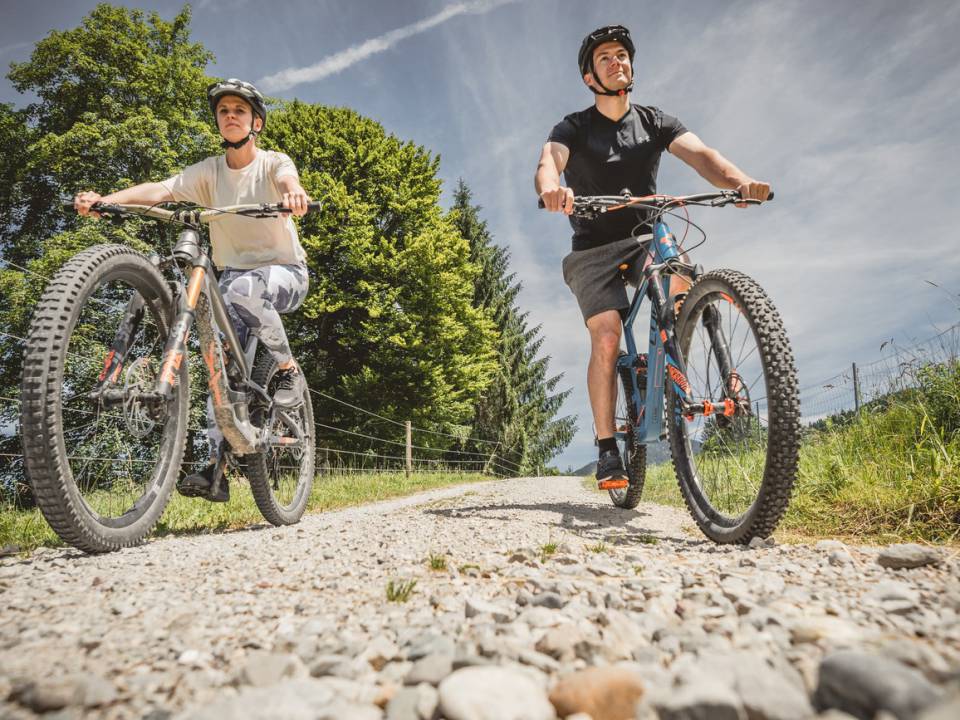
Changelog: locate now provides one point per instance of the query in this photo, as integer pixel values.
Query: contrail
(332, 64)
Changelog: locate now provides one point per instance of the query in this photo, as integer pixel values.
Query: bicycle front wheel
(736, 457)
(101, 452)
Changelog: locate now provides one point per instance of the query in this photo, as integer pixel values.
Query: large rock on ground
(493, 693)
(908, 555)
(55, 693)
(305, 699)
(863, 685)
(608, 693)
(704, 700)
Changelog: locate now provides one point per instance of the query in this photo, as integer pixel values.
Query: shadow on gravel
(602, 522)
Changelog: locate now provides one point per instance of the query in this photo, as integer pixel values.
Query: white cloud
(333, 64)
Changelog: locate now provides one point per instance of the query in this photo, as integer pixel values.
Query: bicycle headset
(610, 33)
(243, 90)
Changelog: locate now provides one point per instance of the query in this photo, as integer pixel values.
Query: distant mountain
(588, 469)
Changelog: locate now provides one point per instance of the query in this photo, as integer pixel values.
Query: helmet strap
(606, 90)
(239, 143)
(620, 93)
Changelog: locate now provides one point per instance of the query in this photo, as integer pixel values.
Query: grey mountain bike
(106, 387)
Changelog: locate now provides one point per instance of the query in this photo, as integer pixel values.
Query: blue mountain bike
(717, 380)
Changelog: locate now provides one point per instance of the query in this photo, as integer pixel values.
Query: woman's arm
(143, 194)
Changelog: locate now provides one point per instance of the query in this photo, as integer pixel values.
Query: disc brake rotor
(141, 417)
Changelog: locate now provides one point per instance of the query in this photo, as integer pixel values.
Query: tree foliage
(390, 321)
(518, 410)
(120, 100)
(410, 316)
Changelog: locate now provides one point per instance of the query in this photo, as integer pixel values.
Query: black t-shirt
(607, 157)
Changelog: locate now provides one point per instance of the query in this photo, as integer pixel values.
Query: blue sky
(850, 110)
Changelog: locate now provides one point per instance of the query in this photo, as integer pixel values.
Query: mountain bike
(106, 387)
(717, 379)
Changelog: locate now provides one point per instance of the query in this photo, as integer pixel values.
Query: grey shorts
(595, 278)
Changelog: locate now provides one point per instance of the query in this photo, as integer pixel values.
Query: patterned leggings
(255, 298)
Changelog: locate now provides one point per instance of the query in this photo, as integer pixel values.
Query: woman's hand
(296, 200)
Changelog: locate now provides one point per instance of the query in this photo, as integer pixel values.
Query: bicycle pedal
(613, 484)
(191, 490)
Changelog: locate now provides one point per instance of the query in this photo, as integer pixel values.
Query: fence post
(856, 389)
(409, 449)
(493, 454)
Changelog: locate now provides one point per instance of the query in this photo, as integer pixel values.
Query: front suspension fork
(120, 347)
(176, 346)
(721, 350)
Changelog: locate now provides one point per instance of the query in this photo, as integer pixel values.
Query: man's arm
(553, 160)
(715, 168)
(143, 194)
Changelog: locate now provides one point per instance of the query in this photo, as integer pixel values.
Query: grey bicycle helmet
(610, 33)
(241, 89)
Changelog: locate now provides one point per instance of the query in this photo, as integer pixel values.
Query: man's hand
(296, 200)
(752, 189)
(558, 200)
(83, 200)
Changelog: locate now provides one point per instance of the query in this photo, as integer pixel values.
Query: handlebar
(593, 205)
(193, 215)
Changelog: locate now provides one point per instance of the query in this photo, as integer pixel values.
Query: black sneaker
(210, 483)
(289, 388)
(610, 472)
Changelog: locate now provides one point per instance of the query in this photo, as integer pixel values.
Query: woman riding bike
(262, 265)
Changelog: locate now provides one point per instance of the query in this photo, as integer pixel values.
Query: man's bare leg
(605, 329)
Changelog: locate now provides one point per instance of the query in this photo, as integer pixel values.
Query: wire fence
(896, 370)
(387, 452)
(329, 459)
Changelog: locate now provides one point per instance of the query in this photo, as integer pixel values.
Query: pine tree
(517, 415)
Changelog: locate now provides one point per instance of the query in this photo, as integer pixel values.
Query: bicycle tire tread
(783, 432)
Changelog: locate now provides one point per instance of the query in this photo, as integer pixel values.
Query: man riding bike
(262, 265)
(610, 147)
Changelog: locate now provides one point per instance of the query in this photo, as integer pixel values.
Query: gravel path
(630, 616)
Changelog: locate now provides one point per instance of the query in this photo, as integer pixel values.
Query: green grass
(890, 475)
(546, 550)
(437, 562)
(600, 547)
(399, 591)
(27, 529)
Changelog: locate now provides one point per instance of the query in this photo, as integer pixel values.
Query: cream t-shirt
(243, 242)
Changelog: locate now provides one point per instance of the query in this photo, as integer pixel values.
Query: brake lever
(264, 211)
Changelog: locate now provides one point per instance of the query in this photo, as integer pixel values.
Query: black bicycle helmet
(610, 33)
(244, 90)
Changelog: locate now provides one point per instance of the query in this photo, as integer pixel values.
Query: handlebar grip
(540, 203)
(770, 196)
(314, 206)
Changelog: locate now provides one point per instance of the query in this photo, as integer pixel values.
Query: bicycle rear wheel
(736, 470)
(633, 452)
(281, 478)
(101, 468)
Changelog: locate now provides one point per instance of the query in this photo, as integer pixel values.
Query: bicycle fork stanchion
(119, 348)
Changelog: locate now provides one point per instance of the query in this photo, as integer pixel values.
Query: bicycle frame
(663, 353)
(228, 363)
